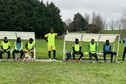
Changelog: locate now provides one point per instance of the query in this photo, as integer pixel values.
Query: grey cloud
(110, 9)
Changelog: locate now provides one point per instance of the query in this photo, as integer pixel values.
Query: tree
(112, 24)
(119, 25)
(123, 21)
(92, 28)
(29, 15)
(87, 17)
(98, 21)
(67, 25)
(54, 17)
(79, 23)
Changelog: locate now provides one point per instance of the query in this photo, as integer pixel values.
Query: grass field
(61, 73)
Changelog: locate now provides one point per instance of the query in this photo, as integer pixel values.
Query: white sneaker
(50, 59)
(8, 59)
(54, 60)
(0, 60)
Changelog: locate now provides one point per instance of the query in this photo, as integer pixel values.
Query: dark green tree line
(29, 15)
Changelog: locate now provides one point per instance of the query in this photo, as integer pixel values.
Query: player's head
(92, 41)
(51, 30)
(76, 41)
(107, 42)
(31, 40)
(18, 40)
(5, 39)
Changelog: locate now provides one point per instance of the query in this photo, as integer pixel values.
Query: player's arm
(110, 48)
(73, 48)
(2, 46)
(104, 48)
(80, 48)
(46, 37)
(26, 46)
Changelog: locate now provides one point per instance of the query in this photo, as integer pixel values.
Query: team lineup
(29, 54)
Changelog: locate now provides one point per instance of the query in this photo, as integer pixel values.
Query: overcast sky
(109, 9)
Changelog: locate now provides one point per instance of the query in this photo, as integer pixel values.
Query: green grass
(62, 73)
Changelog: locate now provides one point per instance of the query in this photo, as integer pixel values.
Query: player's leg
(90, 55)
(49, 51)
(32, 54)
(13, 53)
(124, 52)
(96, 57)
(81, 55)
(111, 53)
(54, 52)
(8, 52)
(104, 55)
(25, 54)
(21, 54)
(74, 55)
(1, 52)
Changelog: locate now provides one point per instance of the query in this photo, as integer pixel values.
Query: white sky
(108, 9)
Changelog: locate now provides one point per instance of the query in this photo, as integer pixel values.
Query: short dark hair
(31, 39)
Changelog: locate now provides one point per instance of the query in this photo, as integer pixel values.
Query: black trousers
(93, 55)
(124, 52)
(2, 52)
(54, 54)
(78, 53)
(111, 53)
(16, 51)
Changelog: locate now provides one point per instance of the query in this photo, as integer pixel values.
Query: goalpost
(97, 37)
(12, 35)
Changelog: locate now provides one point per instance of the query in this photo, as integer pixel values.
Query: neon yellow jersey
(93, 47)
(51, 38)
(77, 47)
(5, 45)
(31, 45)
